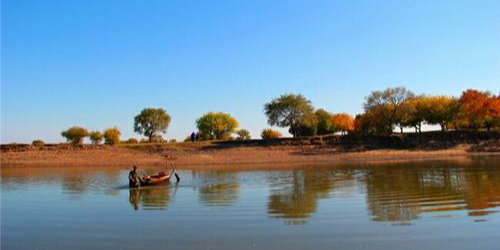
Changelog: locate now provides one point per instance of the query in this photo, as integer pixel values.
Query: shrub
(95, 137)
(157, 138)
(173, 141)
(270, 134)
(75, 134)
(112, 136)
(132, 141)
(243, 134)
(38, 143)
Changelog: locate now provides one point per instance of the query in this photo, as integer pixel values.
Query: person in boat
(134, 179)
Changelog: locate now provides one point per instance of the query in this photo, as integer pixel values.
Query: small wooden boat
(155, 179)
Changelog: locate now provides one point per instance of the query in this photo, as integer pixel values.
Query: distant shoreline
(311, 150)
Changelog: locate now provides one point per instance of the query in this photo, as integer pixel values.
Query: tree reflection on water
(402, 193)
(294, 195)
(219, 188)
(396, 193)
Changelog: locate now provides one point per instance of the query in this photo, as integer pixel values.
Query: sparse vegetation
(38, 143)
(132, 141)
(384, 111)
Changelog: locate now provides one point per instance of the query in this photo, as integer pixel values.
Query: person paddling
(134, 179)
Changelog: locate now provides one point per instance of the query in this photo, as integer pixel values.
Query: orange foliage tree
(479, 109)
(112, 136)
(343, 122)
(492, 112)
(270, 134)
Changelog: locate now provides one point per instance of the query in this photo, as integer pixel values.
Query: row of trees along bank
(386, 110)
(383, 112)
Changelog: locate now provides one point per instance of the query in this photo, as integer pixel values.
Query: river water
(450, 204)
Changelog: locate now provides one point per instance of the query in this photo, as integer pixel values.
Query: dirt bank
(333, 149)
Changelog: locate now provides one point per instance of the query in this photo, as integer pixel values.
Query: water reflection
(218, 188)
(399, 194)
(150, 198)
(402, 193)
(294, 195)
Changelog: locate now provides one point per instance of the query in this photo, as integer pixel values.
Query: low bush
(132, 141)
(38, 143)
(270, 134)
(95, 137)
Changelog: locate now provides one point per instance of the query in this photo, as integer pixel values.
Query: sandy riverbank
(205, 155)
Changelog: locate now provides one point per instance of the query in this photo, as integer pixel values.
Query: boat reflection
(150, 198)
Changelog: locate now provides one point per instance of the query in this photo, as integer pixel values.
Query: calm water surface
(425, 205)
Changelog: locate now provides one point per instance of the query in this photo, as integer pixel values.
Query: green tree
(370, 123)
(325, 125)
(308, 125)
(75, 134)
(288, 111)
(216, 126)
(389, 104)
(151, 122)
(95, 137)
(112, 136)
(243, 134)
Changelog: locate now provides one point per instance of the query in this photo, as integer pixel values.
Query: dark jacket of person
(134, 180)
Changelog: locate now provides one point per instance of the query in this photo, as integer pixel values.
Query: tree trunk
(443, 127)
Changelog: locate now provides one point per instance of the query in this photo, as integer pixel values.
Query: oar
(175, 172)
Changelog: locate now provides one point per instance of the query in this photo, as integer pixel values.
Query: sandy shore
(203, 155)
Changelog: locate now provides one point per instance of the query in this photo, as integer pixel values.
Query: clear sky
(97, 64)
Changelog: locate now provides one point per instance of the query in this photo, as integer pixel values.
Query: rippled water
(422, 205)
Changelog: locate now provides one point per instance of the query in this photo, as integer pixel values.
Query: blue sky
(97, 63)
